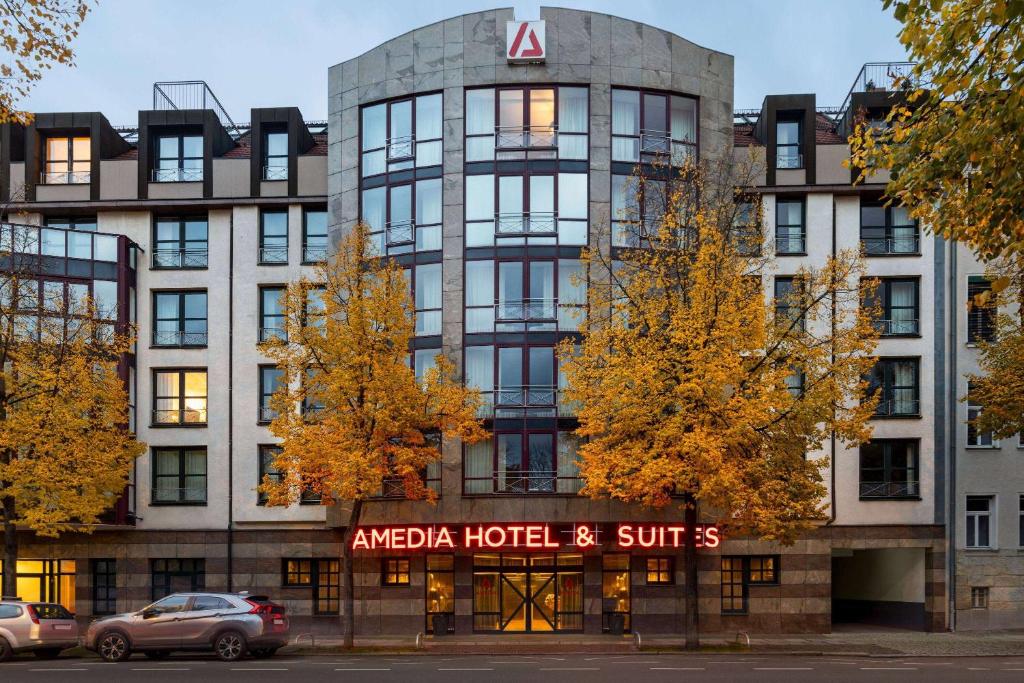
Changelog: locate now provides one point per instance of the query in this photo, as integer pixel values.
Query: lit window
(179, 397)
(68, 161)
(395, 571)
(659, 571)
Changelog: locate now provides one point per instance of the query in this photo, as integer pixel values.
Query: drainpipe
(953, 416)
(832, 437)
(231, 402)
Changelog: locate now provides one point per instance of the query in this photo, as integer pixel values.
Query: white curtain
(625, 112)
(480, 367)
(684, 119)
(572, 110)
(902, 305)
(904, 381)
(480, 112)
(428, 117)
(479, 467)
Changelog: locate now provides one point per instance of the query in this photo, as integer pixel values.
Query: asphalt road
(508, 669)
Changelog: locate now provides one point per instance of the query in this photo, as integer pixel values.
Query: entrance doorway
(528, 593)
(879, 587)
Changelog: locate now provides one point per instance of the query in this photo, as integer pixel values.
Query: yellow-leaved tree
(350, 413)
(694, 388)
(65, 448)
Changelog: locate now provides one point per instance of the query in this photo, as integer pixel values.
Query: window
(981, 319)
(520, 463)
(180, 243)
(975, 437)
(177, 576)
(273, 237)
(267, 470)
(789, 301)
(172, 604)
(394, 571)
(179, 318)
(615, 587)
(896, 380)
(208, 603)
(272, 323)
(898, 302)
(427, 297)
(401, 135)
(887, 230)
(104, 587)
(532, 123)
(659, 571)
(739, 573)
(270, 381)
(178, 158)
(275, 155)
(979, 521)
(790, 235)
(979, 597)
(404, 218)
(314, 236)
(296, 573)
(46, 581)
(638, 213)
(179, 476)
(179, 397)
(80, 223)
(67, 161)
(649, 125)
(324, 578)
(889, 469)
(532, 208)
(440, 598)
(787, 143)
(516, 296)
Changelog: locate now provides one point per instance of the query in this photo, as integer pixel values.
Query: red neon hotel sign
(529, 536)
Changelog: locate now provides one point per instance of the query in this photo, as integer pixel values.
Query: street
(504, 668)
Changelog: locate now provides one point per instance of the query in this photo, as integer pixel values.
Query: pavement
(611, 668)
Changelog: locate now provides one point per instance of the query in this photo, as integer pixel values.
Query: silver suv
(230, 624)
(43, 628)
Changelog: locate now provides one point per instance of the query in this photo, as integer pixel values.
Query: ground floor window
(321, 576)
(979, 518)
(513, 592)
(739, 573)
(177, 575)
(104, 587)
(659, 571)
(979, 597)
(440, 587)
(615, 585)
(395, 571)
(46, 581)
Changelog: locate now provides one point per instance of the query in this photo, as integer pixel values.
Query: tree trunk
(10, 584)
(349, 624)
(691, 626)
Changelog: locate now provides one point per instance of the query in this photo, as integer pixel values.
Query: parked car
(230, 624)
(42, 628)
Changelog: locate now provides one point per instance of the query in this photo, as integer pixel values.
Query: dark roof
(743, 135)
(132, 153)
(319, 147)
(241, 150)
(825, 131)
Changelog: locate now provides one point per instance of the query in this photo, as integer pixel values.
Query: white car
(45, 629)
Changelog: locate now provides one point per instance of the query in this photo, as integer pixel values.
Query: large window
(788, 152)
(887, 230)
(540, 122)
(649, 125)
(790, 233)
(179, 476)
(639, 210)
(275, 155)
(615, 588)
(314, 236)
(104, 587)
(177, 575)
(179, 397)
(440, 598)
(266, 469)
(272, 323)
(517, 296)
(404, 217)
(179, 319)
(67, 161)
(975, 437)
(46, 581)
(520, 463)
(180, 243)
(896, 379)
(323, 577)
(270, 381)
(897, 299)
(426, 284)
(979, 521)
(273, 237)
(981, 318)
(534, 208)
(889, 469)
(178, 158)
(789, 301)
(401, 135)
(738, 573)
(522, 380)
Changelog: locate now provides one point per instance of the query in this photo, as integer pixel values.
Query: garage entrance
(879, 587)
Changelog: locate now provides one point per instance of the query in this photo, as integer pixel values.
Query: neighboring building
(485, 155)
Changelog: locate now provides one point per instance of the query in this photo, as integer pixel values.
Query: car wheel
(5, 650)
(113, 647)
(48, 653)
(229, 646)
(158, 654)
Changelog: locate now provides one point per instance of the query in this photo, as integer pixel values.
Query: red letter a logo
(517, 50)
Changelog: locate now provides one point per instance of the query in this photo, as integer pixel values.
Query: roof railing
(172, 95)
(882, 77)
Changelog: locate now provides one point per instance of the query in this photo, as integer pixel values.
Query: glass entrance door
(521, 593)
(514, 591)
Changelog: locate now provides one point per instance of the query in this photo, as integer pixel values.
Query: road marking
(783, 668)
(55, 669)
(638, 661)
(978, 668)
(261, 669)
(362, 669)
(165, 668)
(677, 668)
(888, 668)
(570, 668)
(466, 669)
(498, 662)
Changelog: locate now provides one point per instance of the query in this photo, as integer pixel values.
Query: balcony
(790, 244)
(889, 489)
(526, 224)
(789, 160)
(275, 173)
(266, 414)
(177, 175)
(525, 137)
(881, 77)
(180, 258)
(314, 254)
(514, 483)
(887, 246)
(525, 396)
(400, 233)
(174, 416)
(65, 177)
(177, 338)
(401, 148)
(269, 333)
(526, 310)
(904, 407)
(273, 255)
(897, 328)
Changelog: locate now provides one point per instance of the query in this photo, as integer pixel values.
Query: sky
(780, 46)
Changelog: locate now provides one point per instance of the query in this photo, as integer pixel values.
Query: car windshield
(48, 611)
(172, 603)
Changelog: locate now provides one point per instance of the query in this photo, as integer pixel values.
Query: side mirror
(149, 613)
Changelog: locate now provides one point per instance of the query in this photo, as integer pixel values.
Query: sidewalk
(873, 642)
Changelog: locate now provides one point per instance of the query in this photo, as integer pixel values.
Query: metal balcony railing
(268, 333)
(179, 416)
(791, 160)
(177, 175)
(654, 141)
(875, 246)
(273, 254)
(891, 327)
(889, 489)
(180, 258)
(539, 481)
(524, 396)
(65, 177)
(314, 254)
(178, 338)
(790, 244)
(526, 137)
(266, 414)
(533, 223)
(188, 494)
(402, 147)
(275, 173)
(401, 232)
(898, 407)
(881, 76)
(526, 309)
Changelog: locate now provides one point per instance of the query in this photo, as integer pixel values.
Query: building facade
(485, 154)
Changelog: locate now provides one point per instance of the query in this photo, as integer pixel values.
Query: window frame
(308, 252)
(182, 173)
(201, 338)
(691, 147)
(265, 414)
(392, 573)
(264, 333)
(883, 298)
(889, 447)
(273, 255)
(71, 176)
(745, 572)
(196, 573)
(399, 162)
(790, 117)
(887, 387)
(981, 320)
(888, 227)
(105, 594)
(974, 439)
(182, 476)
(663, 570)
(181, 397)
(276, 175)
(200, 260)
(973, 518)
(802, 237)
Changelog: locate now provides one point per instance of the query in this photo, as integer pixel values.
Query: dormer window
(275, 155)
(67, 161)
(179, 158)
(787, 143)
